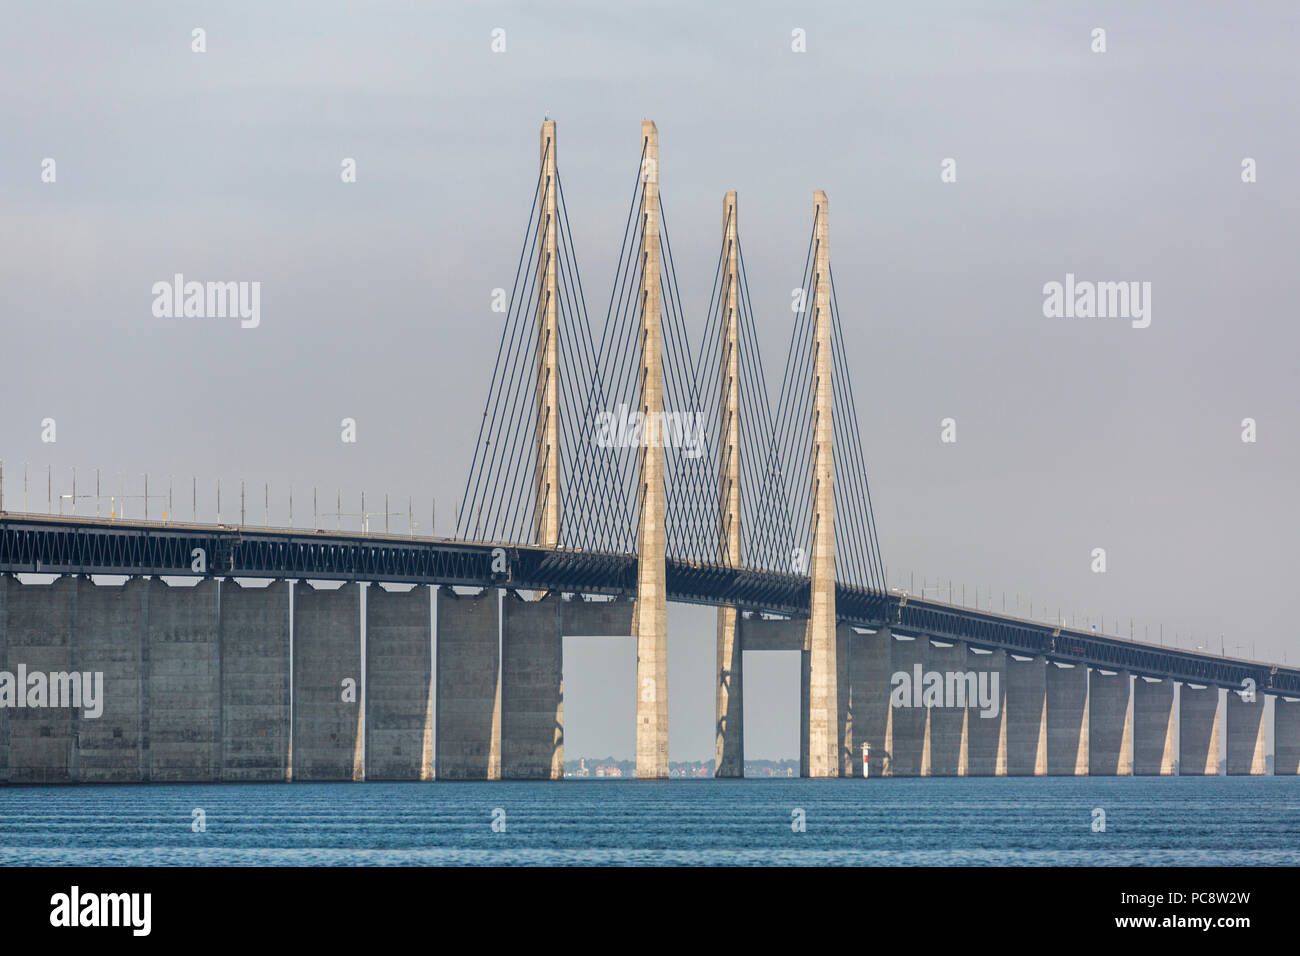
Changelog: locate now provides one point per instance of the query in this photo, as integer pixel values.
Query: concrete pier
(37, 630)
(469, 692)
(905, 729)
(532, 689)
(1245, 735)
(255, 666)
(110, 629)
(841, 721)
(184, 692)
(1110, 731)
(945, 748)
(1198, 731)
(986, 737)
(1067, 720)
(1026, 717)
(399, 684)
(1153, 727)
(805, 692)
(844, 635)
(868, 704)
(328, 706)
(196, 689)
(1286, 736)
(729, 712)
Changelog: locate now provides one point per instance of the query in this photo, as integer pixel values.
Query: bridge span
(464, 673)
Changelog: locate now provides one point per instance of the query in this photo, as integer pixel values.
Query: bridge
(616, 469)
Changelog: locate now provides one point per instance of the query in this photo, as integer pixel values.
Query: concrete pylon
(822, 721)
(729, 750)
(546, 475)
(649, 616)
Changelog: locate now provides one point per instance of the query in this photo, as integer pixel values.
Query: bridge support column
(110, 634)
(729, 729)
(824, 737)
(986, 727)
(844, 635)
(1286, 736)
(868, 684)
(650, 617)
(1110, 742)
(399, 684)
(38, 631)
(328, 705)
(1067, 720)
(255, 664)
(184, 654)
(1198, 731)
(1026, 717)
(905, 729)
(945, 730)
(469, 688)
(805, 708)
(1245, 735)
(842, 728)
(729, 732)
(1153, 727)
(532, 689)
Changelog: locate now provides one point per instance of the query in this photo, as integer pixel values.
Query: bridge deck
(82, 545)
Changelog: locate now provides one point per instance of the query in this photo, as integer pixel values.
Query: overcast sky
(1073, 434)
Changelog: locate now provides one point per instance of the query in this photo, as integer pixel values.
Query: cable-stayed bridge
(621, 463)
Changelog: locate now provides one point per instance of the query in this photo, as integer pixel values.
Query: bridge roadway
(83, 545)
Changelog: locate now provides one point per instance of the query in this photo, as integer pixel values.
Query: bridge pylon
(649, 616)
(729, 729)
(820, 751)
(546, 477)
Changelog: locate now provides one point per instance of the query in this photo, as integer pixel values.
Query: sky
(1072, 433)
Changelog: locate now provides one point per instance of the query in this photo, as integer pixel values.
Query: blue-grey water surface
(1149, 821)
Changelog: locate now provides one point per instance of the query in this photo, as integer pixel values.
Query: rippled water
(1149, 821)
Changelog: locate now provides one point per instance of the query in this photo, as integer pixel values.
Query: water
(1149, 821)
